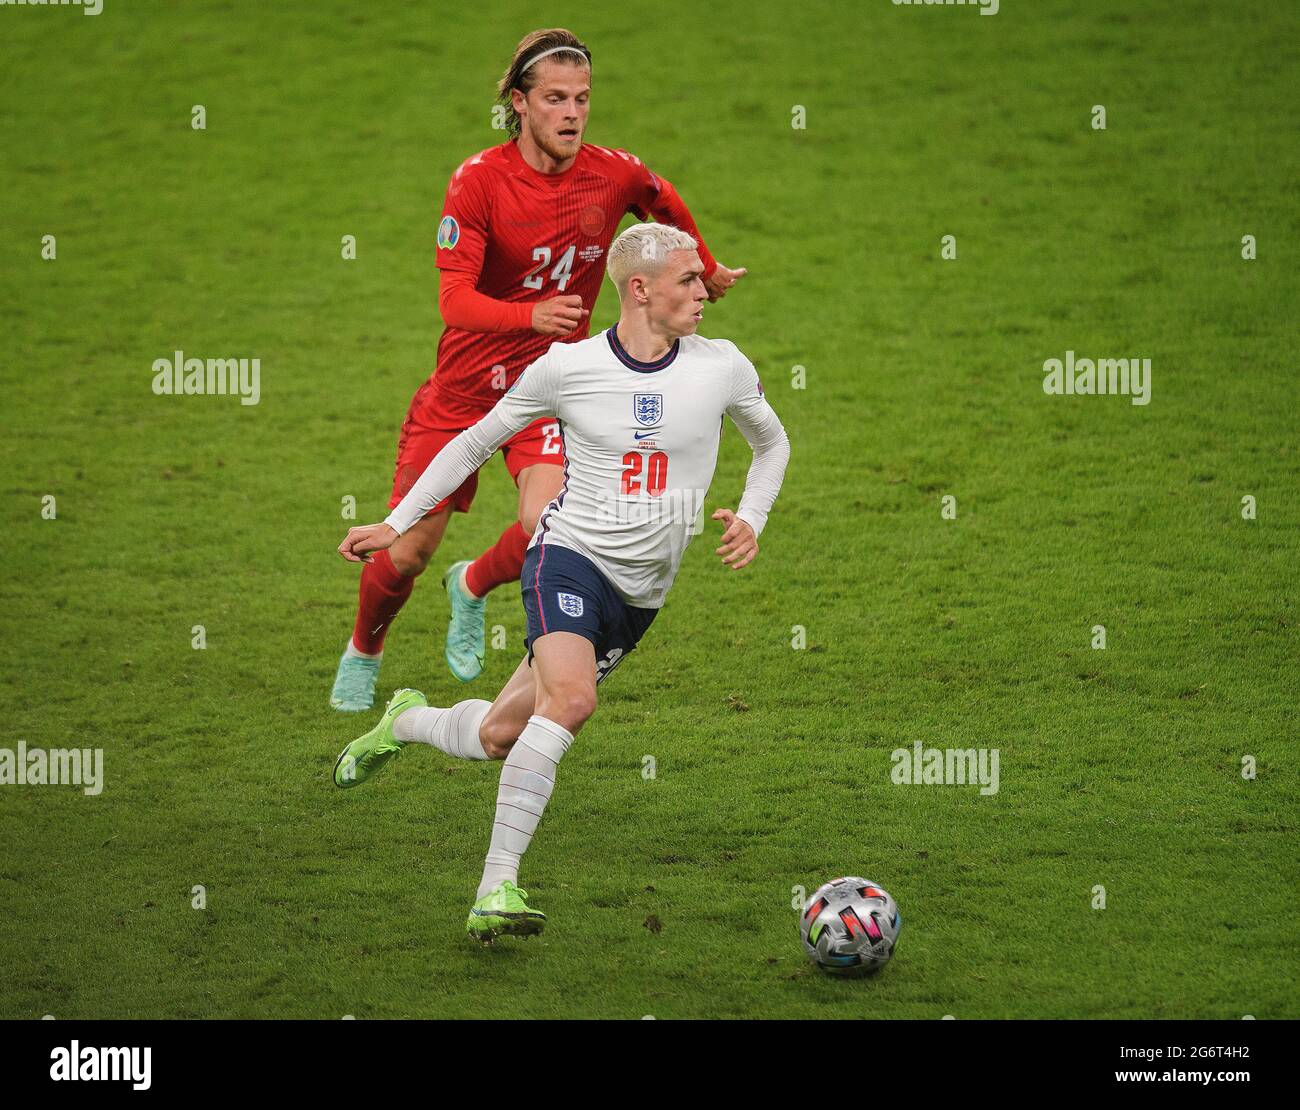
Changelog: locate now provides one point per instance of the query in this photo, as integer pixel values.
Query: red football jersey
(524, 236)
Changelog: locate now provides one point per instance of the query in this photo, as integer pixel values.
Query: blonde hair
(521, 75)
(644, 249)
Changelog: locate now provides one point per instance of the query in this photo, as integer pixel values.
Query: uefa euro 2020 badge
(448, 233)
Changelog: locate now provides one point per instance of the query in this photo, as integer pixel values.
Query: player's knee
(409, 564)
(411, 559)
(571, 706)
(497, 736)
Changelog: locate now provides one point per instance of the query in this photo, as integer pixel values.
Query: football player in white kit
(640, 408)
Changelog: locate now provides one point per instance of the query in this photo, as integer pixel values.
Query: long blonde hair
(518, 77)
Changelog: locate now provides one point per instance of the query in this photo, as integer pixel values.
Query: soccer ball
(850, 926)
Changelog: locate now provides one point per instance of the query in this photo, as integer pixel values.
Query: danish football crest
(648, 408)
(592, 220)
(570, 604)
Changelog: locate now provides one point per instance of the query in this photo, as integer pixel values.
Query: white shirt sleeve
(762, 429)
(534, 394)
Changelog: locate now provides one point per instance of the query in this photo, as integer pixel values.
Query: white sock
(352, 653)
(454, 730)
(526, 782)
(464, 583)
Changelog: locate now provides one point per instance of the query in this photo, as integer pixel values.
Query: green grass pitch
(1120, 767)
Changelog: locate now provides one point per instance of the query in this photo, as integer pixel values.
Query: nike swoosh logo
(642, 435)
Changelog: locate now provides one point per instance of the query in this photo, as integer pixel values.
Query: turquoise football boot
(354, 684)
(464, 649)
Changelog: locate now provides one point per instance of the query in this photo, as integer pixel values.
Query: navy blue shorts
(565, 592)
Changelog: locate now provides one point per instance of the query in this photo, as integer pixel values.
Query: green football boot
(464, 649)
(503, 912)
(367, 755)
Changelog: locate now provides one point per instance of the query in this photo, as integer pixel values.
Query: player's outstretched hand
(369, 537)
(559, 315)
(721, 280)
(739, 544)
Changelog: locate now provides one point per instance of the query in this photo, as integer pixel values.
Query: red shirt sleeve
(462, 240)
(656, 196)
(462, 306)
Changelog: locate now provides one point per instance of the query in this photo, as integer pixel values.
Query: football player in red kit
(521, 249)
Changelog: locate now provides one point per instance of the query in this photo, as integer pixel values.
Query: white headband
(555, 50)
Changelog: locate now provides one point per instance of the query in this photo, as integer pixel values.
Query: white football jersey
(640, 445)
